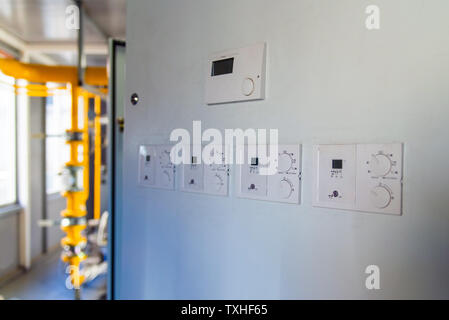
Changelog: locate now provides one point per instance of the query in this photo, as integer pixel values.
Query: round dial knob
(165, 158)
(285, 188)
(218, 182)
(380, 165)
(247, 86)
(380, 197)
(165, 178)
(285, 162)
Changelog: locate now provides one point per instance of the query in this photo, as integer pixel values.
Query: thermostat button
(248, 86)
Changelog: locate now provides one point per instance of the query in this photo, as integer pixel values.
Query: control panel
(283, 186)
(236, 75)
(205, 176)
(155, 167)
(362, 177)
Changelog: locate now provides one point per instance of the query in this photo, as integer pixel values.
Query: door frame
(114, 188)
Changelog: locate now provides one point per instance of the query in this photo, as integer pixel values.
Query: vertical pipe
(44, 174)
(97, 161)
(80, 44)
(86, 142)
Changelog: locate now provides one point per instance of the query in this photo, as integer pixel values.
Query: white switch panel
(362, 177)
(155, 168)
(147, 166)
(205, 177)
(192, 177)
(379, 178)
(283, 186)
(216, 177)
(252, 184)
(335, 169)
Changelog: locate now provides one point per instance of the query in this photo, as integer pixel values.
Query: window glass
(57, 121)
(7, 140)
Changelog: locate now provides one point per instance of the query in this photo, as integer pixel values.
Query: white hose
(102, 234)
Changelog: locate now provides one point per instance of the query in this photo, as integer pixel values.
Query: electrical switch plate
(155, 168)
(216, 176)
(147, 166)
(251, 184)
(379, 178)
(165, 169)
(361, 177)
(335, 169)
(283, 186)
(192, 176)
(205, 177)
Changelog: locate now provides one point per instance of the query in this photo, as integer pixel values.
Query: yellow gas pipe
(76, 200)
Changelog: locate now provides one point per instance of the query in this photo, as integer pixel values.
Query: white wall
(329, 80)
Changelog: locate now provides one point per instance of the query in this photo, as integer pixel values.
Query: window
(7, 140)
(57, 121)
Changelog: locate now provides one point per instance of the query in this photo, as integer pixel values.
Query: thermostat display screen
(337, 164)
(224, 66)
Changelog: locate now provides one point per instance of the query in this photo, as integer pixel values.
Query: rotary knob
(380, 165)
(166, 178)
(380, 197)
(165, 158)
(285, 162)
(248, 86)
(285, 189)
(218, 183)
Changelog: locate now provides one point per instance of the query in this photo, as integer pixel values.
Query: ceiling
(42, 22)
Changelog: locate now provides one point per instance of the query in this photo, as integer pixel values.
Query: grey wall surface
(330, 80)
(9, 243)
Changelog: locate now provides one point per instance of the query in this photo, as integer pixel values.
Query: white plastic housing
(283, 186)
(243, 81)
(208, 178)
(155, 168)
(362, 177)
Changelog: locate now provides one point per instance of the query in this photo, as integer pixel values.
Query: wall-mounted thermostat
(236, 75)
(283, 186)
(155, 167)
(201, 177)
(362, 177)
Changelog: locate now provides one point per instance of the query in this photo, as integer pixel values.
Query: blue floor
(46, 281)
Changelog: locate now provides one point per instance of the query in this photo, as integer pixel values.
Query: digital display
(148, 158)
(224, 66)
(254, 161)
(337, 164)
(194, 160)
